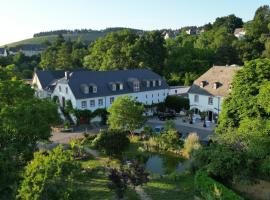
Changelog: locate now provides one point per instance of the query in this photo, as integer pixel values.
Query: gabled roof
(102, 79)
(46, 78)
(223, 75)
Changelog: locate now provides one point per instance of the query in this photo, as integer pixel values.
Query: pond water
(166, 164)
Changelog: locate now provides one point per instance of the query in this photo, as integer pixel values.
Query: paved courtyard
(186, 128)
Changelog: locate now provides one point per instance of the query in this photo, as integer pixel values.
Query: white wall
(178, 90)
(62, 93)
(203, 105)
(143, 97)
(39, 92)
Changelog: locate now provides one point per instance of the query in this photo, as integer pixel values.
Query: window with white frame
(154, 83)
(66, 90)
(83, 104)
(147, 83)
(100, 102)
(196, 98)
(210, 100)
(60, 89)
(121, 87)
(136, 86)
(159, 82)
(111, 100)
(92, 103)
(113, 87)
(94, 89)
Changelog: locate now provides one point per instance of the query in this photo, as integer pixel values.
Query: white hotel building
(98, 89)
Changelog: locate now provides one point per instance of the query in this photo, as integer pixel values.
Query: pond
(166, 164)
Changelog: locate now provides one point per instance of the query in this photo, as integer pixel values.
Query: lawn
(168, 188)
(92, 184)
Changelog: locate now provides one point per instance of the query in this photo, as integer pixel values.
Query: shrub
(111, 142)
(191, 143)
(222, 162)
(103, 113)
(210, 189)
(68, 107)
(177, 103)
(49, 175)
(83, 116)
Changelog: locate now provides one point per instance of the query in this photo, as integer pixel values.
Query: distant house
(28, 49)
(3, 52)
(191, 31)
(98, 89)
(239, 33)
(194, 31)
(179, 91)
(208, 91)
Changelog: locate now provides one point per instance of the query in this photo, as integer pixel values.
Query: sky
(20, 19)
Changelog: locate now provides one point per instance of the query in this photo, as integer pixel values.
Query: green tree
(63, 57)
(112, 52)
(230, 22)
(244, 120)
(126, 114)
(112, 142)
(49, 176)
(127, 50)
(24, 120)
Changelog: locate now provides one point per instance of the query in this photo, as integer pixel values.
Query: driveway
(186, 128)
(65, 138)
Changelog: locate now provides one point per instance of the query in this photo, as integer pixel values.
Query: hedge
(210, 189)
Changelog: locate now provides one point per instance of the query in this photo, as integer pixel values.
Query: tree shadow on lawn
(167, 188)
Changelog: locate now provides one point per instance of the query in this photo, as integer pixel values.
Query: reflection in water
(155, 165)
(164, 164)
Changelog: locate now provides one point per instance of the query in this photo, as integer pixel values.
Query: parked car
(166, 116)
(158, 129)
(205, 143)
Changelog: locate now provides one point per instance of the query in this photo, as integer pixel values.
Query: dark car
(166, 116)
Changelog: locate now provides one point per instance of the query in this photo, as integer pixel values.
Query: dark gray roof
(102, 79)
(46, 78)
(2, 50)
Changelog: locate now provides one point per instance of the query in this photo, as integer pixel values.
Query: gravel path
(143, 196)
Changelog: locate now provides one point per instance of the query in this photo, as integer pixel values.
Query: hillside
(86, 36)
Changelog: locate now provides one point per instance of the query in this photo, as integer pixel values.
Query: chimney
(66, 75)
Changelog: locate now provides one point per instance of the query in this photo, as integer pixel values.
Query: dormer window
(159, 82)
(216, 85)
(136, 86)
(113, 87)
(119, 86)
(85, 88)
(203, 83)
(92, 88)
(148, 83)
(154, 83)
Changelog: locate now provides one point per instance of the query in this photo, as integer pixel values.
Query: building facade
(93, 90)
(208, 91)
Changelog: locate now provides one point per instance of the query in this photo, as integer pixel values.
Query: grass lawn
(166, 188)
(92, 184)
